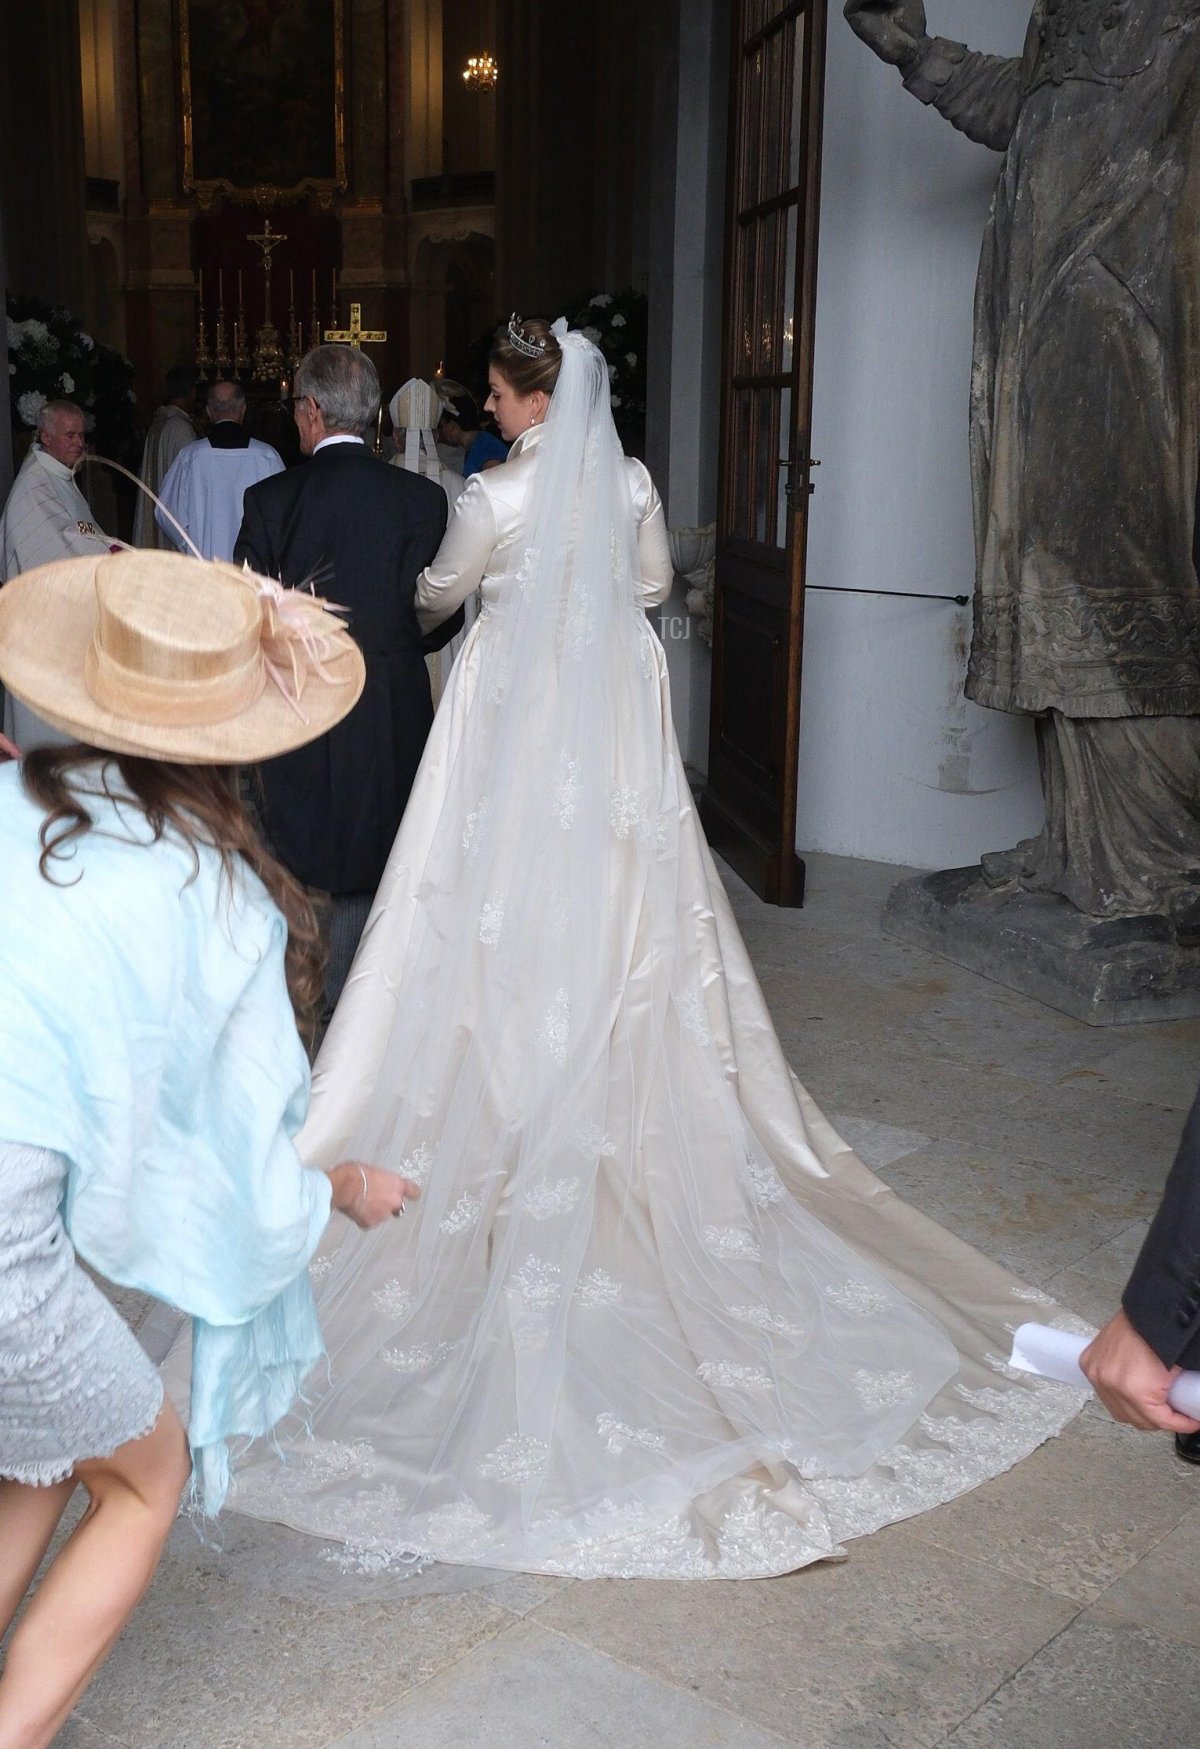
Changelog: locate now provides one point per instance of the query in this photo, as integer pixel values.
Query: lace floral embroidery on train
(943, 1456)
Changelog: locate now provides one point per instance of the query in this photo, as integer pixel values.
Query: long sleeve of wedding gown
(462, 559)
(484, 521)
(654, 549)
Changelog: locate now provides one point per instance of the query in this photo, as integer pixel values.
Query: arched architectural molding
(452, 279)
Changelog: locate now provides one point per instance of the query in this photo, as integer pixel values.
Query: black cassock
(362, 533)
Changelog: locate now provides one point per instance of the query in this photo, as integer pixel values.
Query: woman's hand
(8, 749)
(367, 1195)
(895, 29)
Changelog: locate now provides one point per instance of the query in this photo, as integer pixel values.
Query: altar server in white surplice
(206, 482)
(416, 409)
(46, 518)
(170, 430)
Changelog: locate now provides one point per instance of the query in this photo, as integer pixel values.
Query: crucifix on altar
(269, 361)
(356, 335)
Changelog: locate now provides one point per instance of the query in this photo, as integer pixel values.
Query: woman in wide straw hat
(152, 957)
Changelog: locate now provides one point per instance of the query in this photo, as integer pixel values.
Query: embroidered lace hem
(942, 1456)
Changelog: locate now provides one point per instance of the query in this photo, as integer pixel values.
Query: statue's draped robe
(1084, 427)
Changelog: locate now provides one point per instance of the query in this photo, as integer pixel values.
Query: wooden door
(777, 86)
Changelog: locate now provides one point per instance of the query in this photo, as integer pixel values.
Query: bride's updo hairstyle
(530, 371)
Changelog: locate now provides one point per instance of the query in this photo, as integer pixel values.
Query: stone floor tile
(532, 1689)
(1095, 1687)
(1003, 1033)
(77, 1734)
(1034, 1218)
(215, 1660)
(1093, 1286)
(1092, 1134)
(1159, 1066)
(1162, 1592)
(1076, 1515)
(878, 1144)
(889, 1640)
(522, 1593)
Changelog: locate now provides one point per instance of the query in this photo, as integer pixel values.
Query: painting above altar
(263, 99)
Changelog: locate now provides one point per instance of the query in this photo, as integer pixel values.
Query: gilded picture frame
(263, 100)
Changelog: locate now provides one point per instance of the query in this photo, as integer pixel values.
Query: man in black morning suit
(1133, 1360)
(361, 533)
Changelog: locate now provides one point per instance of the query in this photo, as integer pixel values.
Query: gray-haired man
(206, 483)
(362, 533)
(46, 518)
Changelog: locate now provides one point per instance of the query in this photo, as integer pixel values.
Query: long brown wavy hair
(201, 804)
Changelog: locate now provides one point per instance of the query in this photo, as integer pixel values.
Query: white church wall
(895, 765)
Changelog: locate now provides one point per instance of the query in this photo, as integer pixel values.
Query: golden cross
(355, 334)
(267, 239)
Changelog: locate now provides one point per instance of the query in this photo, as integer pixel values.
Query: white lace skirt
(74, 1382)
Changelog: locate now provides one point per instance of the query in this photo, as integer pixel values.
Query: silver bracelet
(364, 1192)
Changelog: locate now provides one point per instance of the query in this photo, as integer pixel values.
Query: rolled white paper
(1054, 1354)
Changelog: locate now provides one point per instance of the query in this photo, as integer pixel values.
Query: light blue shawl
(146, 1035)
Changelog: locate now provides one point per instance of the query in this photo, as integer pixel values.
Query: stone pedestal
(1105, 973)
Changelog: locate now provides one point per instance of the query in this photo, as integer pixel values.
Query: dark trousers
(344, 921)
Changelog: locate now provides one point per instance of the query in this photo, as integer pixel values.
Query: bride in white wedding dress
(650, 1316)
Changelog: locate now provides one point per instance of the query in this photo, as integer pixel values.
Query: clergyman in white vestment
(206, 482)
(416, 409)
(46, 517)
(171, 429)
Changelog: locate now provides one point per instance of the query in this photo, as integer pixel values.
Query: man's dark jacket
(361, 532)
(1163, 1295)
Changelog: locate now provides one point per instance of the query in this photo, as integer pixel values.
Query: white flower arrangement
(49, 355)
(29, 407)
(615, 323)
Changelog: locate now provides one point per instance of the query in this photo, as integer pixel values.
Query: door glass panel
(743, 299)
(787, 308)
(751, 128)
(796, 130)
(775, 106)
(786, 453)
(765, 299)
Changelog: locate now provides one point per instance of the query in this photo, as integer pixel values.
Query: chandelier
(481, 73)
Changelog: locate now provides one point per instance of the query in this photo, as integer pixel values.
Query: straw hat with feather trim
(174, 658)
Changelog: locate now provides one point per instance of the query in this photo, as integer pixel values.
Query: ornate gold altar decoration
(268, 357)
(355, 335)
(263, 193)
(269, 360)
(481, 73)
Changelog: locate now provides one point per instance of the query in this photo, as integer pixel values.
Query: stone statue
(1084, 429)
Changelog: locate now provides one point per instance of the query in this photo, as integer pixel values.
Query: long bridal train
(651, 1317)
(697, 1380)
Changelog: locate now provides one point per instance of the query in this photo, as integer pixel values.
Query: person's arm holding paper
(1141, 1350)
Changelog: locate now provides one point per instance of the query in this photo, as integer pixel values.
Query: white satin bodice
(486, 520)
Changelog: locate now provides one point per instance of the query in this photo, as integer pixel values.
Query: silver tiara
(531, 348)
